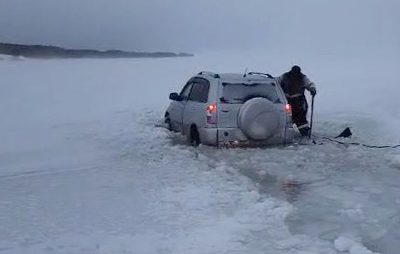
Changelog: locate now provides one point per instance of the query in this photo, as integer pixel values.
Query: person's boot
(305, 131)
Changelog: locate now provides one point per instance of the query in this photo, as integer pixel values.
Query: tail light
(211, 111)
(288, 108)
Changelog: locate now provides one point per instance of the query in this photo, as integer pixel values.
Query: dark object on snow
(345, 134)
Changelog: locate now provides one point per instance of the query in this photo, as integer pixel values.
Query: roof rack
(208, 73)
(260, 73)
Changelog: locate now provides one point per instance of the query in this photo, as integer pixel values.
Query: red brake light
(288, 108)
(212, 113)
(212, 108)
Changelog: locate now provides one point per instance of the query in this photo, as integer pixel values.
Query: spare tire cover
(258, 119)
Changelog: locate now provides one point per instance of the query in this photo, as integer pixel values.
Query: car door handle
(225, 110)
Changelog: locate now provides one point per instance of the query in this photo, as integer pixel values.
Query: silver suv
(231, 110)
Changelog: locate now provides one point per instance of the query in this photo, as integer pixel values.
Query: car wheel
(167, 122)
(194, 136)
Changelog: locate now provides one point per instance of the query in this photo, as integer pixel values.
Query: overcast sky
(186, 25)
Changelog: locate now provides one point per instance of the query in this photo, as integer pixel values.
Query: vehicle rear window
(239, 93)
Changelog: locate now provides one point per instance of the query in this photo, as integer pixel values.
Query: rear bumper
(221, 136)
(235, 137)
(289, 135)
(209, 136)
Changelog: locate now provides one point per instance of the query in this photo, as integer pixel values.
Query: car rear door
(176, 114)
(195, 109)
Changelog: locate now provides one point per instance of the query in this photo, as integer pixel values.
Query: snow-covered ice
(396, 161)
(84, 170)
(344, 244)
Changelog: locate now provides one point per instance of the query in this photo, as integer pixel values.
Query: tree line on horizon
(41, 51)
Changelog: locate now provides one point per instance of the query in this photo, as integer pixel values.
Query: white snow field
(84, 170)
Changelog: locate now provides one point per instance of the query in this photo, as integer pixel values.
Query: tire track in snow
(55, 171)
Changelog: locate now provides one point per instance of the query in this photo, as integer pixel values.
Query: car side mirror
(175, 97)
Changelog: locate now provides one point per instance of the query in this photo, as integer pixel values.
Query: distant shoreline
(46, 52)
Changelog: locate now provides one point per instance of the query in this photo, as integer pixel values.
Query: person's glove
(313, 91)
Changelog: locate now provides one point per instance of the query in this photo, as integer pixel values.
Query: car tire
(194, 137)
(167, 122)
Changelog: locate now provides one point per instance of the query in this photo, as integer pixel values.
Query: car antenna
(245, 73)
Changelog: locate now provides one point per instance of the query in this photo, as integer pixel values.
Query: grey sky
(185, 25)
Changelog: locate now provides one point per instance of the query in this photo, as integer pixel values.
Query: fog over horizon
(321, 26)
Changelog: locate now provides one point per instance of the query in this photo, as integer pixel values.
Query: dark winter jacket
(294, 85)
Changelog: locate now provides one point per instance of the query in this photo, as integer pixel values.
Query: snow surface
(344, 244)
(84, 170)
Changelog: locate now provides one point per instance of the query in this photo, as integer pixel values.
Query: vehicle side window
(186, 91)
(200, 91)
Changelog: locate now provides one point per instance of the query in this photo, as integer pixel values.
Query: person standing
(294, 83)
